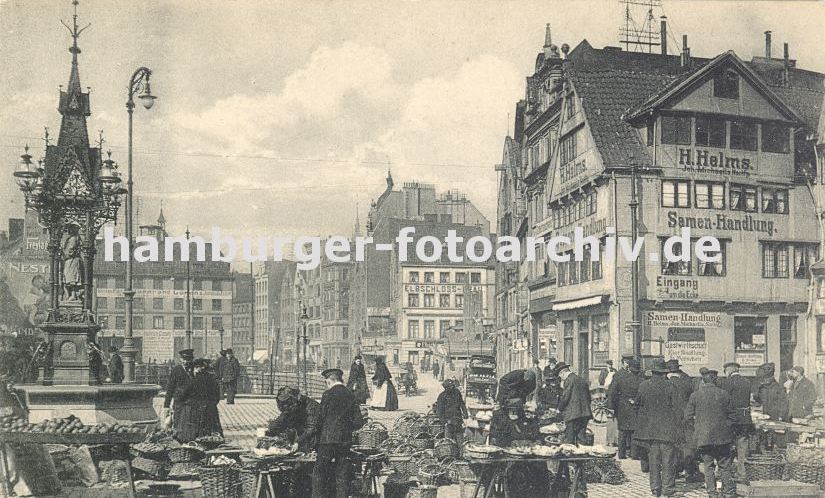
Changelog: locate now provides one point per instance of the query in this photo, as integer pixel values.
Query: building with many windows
(243, 344)
(159, 306)
(269, 277)
(722, 146)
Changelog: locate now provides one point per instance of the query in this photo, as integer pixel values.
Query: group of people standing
(384, 396)
(671, 421)
(195, 392)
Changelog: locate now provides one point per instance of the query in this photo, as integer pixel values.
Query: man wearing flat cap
(770, 393)
(298, 420)
(657, 419)
(711, 413)
(177, 388)
(574, 404)
(339, 416)
(621, 398)
(230, 372)
(739, 389)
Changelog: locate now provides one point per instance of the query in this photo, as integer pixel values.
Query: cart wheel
(598, 405)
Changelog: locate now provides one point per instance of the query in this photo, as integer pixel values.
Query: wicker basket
(446, 448)
(478, 455)
(249, 482)
(464, 471)
(220, 481)
(765, 467)
(422, 441)
(114, 472)
(372, 434)
(403, 465)
(184, 471)
(151, 468)
(185, 454)
(423, 491)
(429, 474)
(810, 473)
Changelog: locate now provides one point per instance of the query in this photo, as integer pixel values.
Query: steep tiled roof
(605, 95)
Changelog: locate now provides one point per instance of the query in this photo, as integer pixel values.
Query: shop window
(787, 329)
(717, 269)
(119, 303)
(774, 260)
(673, 267)
(413, 277)
(803, 256)
(429, 277)
(743, 135)
(197, 284)
(178, 283)
(217, 304)
(429, 300)
(750, 336)
(412, 329)
(709, 195)
(103, 321)
(443, 300)
(217, 322)
(197, 323)
(412, 300)
(743, 198)
(444, 277)
(774, 200)
(600, 340)
(726, 85)
(676, 130)
(138, 303)
(710, 132)
(775, 138)
(675, 193)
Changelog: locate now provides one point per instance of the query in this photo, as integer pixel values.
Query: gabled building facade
(722, 146)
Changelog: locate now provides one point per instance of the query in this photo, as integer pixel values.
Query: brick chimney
(663, 33)
(685, 53)
(768, 44)
(786, 67)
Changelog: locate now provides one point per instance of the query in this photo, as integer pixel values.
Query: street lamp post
(634, 268)
(220, 332)
(138, 83)
(306, 342)
(303, 317)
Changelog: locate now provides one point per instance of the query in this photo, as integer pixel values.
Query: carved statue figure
(72, 265)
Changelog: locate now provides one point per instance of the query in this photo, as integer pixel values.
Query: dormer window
(726, 85)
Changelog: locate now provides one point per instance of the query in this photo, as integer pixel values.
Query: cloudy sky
(279, 118)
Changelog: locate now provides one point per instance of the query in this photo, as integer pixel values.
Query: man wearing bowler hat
(739, 389)
(683, 386)
(177, 388)
(574, 404)
(338, 417)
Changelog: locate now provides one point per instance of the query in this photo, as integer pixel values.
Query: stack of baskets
(185, 454)
(422, 441)
(769, 466)
(806, 464)
(446, 448)
(430, 474)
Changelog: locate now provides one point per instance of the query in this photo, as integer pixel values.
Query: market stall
(480, 383)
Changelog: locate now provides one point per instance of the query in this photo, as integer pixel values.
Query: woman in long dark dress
(385, 396)
(202, 396)
(357, 380)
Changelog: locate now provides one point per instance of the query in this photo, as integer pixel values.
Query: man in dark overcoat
(516, 384)
(339, 416)
(711, 413)
(229, 374)
(739, 389)
(574, 404)
(451, 411)
(621, 398)
(177, 388)
(686, 458)
(656, 422)
(115, 366)
(770, 393)
(547, 398)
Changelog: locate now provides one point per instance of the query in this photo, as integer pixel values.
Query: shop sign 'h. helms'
(74, 192)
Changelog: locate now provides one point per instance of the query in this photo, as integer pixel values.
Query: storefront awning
(260, 355)
(541, 304)
(578, 303)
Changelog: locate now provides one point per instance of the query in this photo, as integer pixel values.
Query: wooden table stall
(122, 441)
(566, 482)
